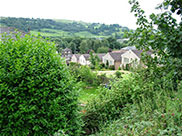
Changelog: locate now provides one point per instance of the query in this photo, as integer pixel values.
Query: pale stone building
(75, 58)
(84, 59)
(113, 58)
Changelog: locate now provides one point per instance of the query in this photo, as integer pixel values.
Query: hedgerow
(37, 92)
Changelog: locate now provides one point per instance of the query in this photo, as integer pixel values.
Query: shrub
(102, 79)
(127, 67)
(118, 74)
(37, 92)
(129, 90)
(111, 67)
(74, 64)
(88, 76)
(108, 104)
(102, 65)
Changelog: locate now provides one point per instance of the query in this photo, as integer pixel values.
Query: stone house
(67, 54)
(132, 57)
(75, 58)
(113, 58)
(84, 59)
(101, 55)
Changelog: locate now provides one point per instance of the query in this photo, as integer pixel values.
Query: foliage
(163, 34)
(111, 67)
(83, 45)
(102, 66)
(107, 64)
(108, 104)
(163, 121)
(37, 92)
(139, 89)
(103, 49)
(158, 116)
(141, 92)
(118, 74)
(84, 74)
(102, 79)
(94, 60)
(70, 28)
(127, 67)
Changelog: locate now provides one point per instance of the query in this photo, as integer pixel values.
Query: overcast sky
(102, 11)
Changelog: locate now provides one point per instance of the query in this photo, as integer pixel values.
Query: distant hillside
(64, 28)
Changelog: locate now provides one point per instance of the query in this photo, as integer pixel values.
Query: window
(131, 60)
(110, 62)
(126, 60)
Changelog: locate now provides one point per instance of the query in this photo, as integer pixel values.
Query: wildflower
(172, 114)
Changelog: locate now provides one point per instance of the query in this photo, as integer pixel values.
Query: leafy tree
(163, 34)
(113, 44)
(72, 46)
(102, 49)
(94, 60)
(84, 46)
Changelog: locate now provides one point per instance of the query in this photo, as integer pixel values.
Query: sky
(91, 11)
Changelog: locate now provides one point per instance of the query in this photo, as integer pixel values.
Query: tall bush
(37, 92)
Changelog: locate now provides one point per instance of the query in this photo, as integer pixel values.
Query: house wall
(117, 64)
(129, 57)
(83, 61)
(74, 59)
(88, 62)
(108, 58)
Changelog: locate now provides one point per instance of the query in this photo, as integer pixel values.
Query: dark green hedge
(37, 92)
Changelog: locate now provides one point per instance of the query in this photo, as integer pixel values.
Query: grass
(87, 93)
(53, 32)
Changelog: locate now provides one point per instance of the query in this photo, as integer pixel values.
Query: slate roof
(117, 55)
(100, 55)
(86, 56)
(67, 49)
(9, 30)
(77, 55)
(139, 52)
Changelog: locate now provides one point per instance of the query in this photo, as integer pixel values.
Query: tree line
(27, 24)
(85, 45)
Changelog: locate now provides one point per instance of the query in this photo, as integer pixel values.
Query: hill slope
(64, 28)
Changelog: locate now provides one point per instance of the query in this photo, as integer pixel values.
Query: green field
(51, 32)
(87, 94)
(60, 33)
